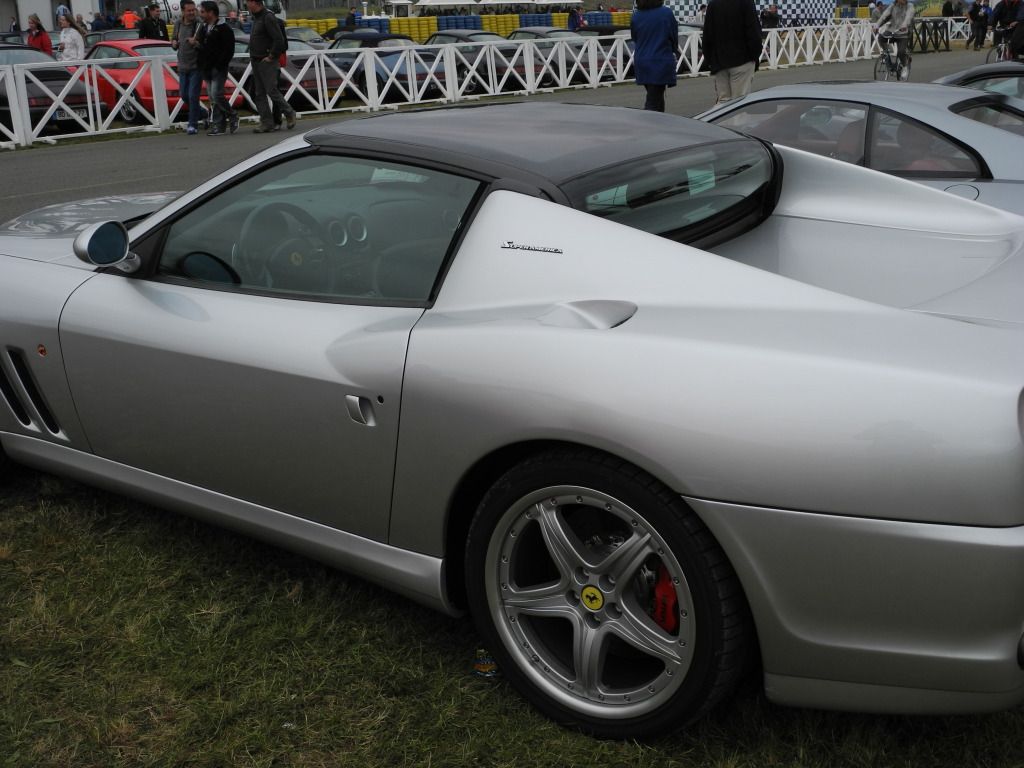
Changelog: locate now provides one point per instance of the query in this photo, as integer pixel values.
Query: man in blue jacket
(655, 34)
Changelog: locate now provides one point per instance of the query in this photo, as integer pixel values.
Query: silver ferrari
(657, 403)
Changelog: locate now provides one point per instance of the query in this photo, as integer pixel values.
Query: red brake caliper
(666, 605)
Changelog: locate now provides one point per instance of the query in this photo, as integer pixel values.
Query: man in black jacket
(216, 46)
(266, 44)
(153, 27)
(732, 46)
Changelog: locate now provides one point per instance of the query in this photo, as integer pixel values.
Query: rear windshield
(995, 114)
(680, 194)
(153, 50)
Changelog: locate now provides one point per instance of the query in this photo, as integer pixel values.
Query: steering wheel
(270, 255)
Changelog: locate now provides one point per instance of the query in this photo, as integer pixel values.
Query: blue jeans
(191, 84)
(222, 111)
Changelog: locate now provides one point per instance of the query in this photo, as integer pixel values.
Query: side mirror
(106, 245)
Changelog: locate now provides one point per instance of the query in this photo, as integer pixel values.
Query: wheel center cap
(593, 599)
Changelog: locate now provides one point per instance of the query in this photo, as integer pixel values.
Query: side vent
(34, 395)
(11, 398)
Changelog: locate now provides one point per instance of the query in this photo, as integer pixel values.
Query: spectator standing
(38, 38)
(575, 19)
(15, 26)
(732, 46)
(216, 47)
(62, 10)
(979, 16)
(152, 27)
(770, 17)
(947, 9)
(129, 19)
(190, 81)
(72, 44)
(266, 44)
(98, 23)
(350, 20)
(876, 11)
(655, 34)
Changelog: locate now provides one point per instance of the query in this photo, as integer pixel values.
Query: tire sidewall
(679, 528)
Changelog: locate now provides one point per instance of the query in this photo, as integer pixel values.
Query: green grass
(130, 636)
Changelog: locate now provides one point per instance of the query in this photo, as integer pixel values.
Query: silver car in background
(956, 139)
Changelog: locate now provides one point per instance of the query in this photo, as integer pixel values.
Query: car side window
(330, 227)
(897, 144)
(831, 128)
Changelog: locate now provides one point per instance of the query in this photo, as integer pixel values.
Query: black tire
(882, 69)
(129, 112)
(635, 627)
(471, 85)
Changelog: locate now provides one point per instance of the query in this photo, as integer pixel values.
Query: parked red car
(124, 66)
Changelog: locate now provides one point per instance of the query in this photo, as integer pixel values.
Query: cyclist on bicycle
(895, 22)
(1004, 20)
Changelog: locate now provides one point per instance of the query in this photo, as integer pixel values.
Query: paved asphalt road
(45, 174)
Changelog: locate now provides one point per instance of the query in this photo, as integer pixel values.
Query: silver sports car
(655, 402)
(956, 139)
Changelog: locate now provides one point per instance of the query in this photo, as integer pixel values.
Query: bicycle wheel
(994, 54)
(882, 71)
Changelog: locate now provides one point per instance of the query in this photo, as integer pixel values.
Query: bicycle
(889, 66)
(1001, 50)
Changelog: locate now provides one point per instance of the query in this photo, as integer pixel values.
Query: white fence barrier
(65, 100)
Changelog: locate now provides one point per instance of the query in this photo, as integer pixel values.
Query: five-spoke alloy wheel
(604, 598)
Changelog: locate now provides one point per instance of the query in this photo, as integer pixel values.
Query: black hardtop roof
(553, 141)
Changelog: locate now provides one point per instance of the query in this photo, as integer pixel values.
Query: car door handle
(360, 410)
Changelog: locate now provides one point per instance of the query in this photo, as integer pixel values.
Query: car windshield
(996, 115)
(299, 45)
(487, 37)
(676, 194)
(396, 42)
(562, 33)
(23, 56)
(303, 33)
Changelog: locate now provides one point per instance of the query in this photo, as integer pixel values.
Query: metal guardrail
(374, 79)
